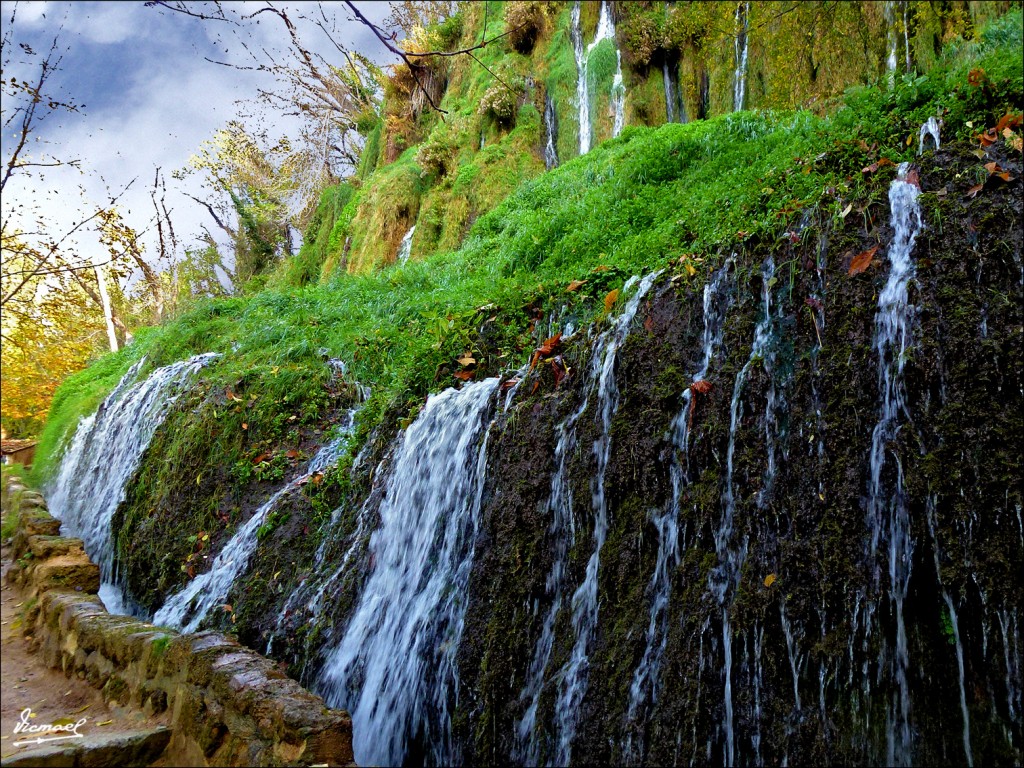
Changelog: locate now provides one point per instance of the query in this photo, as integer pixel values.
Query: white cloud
(153, 99)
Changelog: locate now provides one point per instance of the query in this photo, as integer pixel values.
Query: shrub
(501, 98)
(524, 19)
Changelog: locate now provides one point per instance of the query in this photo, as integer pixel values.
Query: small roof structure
(20, 451)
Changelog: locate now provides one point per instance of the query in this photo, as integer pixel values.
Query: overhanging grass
(632, 204)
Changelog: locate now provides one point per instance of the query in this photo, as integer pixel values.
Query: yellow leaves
(770, 579)
(575, 285)
(687, 260)
(610, 299)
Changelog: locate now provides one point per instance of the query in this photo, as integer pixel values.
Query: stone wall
(226, 704)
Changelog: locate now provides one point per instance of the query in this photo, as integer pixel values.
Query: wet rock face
(783, 635)
(809, 679)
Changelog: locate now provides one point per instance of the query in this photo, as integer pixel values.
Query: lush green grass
(632, 204)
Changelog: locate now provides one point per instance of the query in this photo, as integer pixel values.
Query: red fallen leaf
(813, 303)
(649, 324)
(742, 235)
(317, 478)
(880, 163)
(701, 387)
(1009, 121)
(261, 458)
(550, 345)
(230, 394)
(973, 191)
(227, 608)
(191, 571)
(558, 369)
(464, 375)
(975, 77)
(508, 384)
(994, 169)
(546, 349)
(305, 530)
(988, 138)
(610, 299)
(536, 386)
(601, 268)
(245, 425)
(575, 285)
(862, 261)
(794, 237)
(292, 454)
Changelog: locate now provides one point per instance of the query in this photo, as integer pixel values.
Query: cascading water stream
(582, 88)
(563, 533)
(644, 686)
(906, 34)
(741, 51)
(186, 609)
(393, 667)
(889, 11)
(955, 624)
(930, 128)
(551, 133)
(104, 454)
(573, 678)
(724, 579)
(675, 111)
(888, 519)
(405, 247)
(605, 31)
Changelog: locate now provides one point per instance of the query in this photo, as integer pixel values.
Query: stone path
(111, 735)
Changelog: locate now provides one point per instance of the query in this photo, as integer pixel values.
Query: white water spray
(888, 517)
(741, 51)
(103, 456)
(186, 609)
(394, 666)
(645, 684)
(405, 247)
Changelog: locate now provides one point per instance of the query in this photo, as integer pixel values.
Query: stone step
(95, 750)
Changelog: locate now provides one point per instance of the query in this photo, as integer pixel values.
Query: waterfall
(563, 533)
(675, 109)
(605, 31)
(930, 128)
(906, 33)
(888, 517)
(582, 89)
(955, 625)
(724, 578)
(103, 456)
(618, 102)
(644, 686)
(405, 247)
(551, 130)
(889, 11)
(393, 667)
(186, 609)
(740, 48)
(573, 678)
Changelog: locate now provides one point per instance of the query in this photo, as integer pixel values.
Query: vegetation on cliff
(806, 188)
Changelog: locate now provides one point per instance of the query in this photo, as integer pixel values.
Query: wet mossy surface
(796, 616)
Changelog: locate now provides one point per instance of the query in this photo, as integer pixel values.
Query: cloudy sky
(150, 96)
